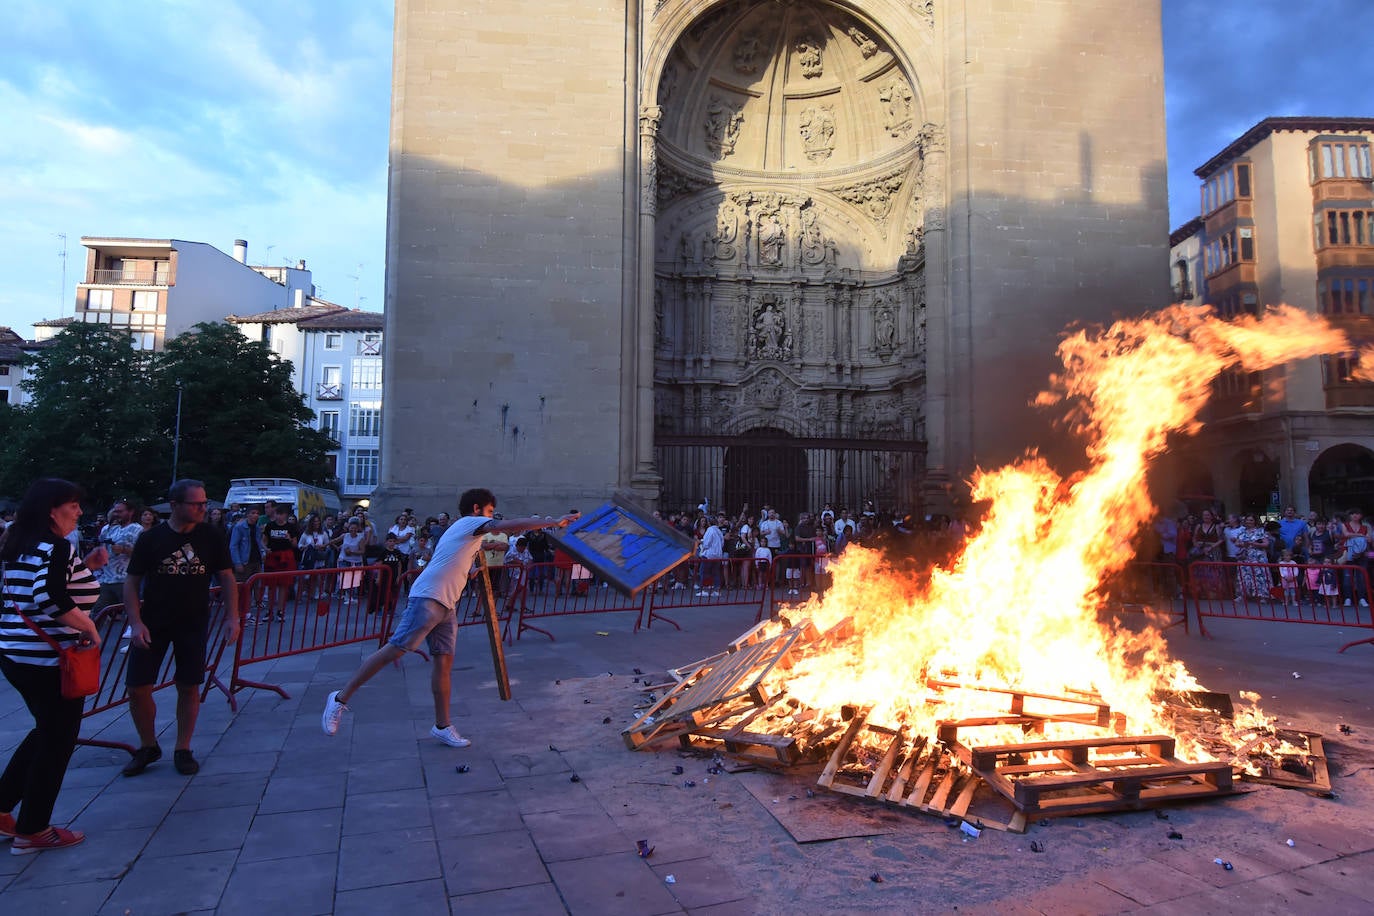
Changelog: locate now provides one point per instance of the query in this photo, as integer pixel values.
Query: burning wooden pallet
(720, 692)
(884, 764)
(1084, 775)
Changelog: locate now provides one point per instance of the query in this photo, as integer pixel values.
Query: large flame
(1019, 607)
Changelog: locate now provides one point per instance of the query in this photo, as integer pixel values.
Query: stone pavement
(282, 819)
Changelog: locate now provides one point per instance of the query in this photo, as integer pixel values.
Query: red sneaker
(7, 825)
(52, 838)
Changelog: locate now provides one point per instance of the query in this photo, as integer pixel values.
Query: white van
(300, 497)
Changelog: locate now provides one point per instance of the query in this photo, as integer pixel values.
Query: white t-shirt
(772, 532)
(405, 537)
(446, 574)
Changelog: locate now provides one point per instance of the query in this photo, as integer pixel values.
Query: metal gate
(789, 473)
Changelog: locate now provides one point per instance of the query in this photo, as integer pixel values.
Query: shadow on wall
(506, 334)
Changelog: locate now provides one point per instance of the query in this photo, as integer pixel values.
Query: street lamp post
(176, 437)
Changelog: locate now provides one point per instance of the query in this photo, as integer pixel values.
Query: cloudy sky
(268, 122)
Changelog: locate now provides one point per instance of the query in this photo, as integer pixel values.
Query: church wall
(1058, 205)
(506, 252)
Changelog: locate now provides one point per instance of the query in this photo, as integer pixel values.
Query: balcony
(370, 347)
(329, 391)
(123, 277)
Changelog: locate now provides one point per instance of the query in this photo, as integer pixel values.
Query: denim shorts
(425, 617)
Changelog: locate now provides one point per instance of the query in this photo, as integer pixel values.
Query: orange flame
(1019, 607)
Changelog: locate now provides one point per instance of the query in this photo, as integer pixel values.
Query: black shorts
(188, 641)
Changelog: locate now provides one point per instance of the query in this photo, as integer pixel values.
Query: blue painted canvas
(624, 545)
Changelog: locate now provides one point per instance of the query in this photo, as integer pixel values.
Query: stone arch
(1256, 476)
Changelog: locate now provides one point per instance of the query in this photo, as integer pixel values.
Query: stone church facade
(787, 251)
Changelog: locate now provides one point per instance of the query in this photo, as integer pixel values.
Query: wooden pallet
(718, 689)
(1313, 761)
(1085, 775)
(1083, 707)
(912, 773)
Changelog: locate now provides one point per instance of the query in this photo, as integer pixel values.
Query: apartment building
(336, 355)
(159, 288)
(1286, 216)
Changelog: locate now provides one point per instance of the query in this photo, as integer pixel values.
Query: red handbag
(78, 665)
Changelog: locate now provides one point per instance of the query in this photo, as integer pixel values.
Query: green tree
(240, 414)
(88, 417)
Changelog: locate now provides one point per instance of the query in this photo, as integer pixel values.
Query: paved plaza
(546, 817)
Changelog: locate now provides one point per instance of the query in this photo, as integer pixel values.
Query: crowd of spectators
(1288, 558)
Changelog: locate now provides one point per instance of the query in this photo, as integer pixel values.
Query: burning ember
(1016, 613)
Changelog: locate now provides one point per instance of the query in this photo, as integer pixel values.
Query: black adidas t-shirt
(177, 570)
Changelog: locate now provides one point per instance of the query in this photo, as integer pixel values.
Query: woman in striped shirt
(47, 583)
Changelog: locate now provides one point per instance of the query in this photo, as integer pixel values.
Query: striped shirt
(45, 582)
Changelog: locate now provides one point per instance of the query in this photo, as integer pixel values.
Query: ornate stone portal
(791, 203)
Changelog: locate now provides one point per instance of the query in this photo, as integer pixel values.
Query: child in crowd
(763, 561)
(421, 554)
(1329, 583)
(395, 561)
(517, 560)
(1288, 578)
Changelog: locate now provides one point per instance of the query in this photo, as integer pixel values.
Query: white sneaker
(333, 714)
(449, 736)
(1364, 603)
(1347, 602)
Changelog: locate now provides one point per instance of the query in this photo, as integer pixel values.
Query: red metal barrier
(111, 622)
(710, 583)
(543, 590)
(1326, 595)
(1146, 587)
(307, 610)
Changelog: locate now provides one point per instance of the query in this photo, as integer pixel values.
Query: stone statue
(772, 240)
(722, 127)
(818, 132)
(867, 46)
(895, 95)
(746, 54)
(769, 337)
(809, 56)
(884, 329)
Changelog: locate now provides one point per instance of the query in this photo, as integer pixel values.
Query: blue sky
(269, 122)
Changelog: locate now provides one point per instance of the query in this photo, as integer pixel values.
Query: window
(1345, 157)
(99, 298)
(331, 384)
(333, 341)
(364, 419)
(1346, 296)
(329, 423)
(1340, 369)
(1226, 186)
(145, 300)
(1227, 249)
(361, 467)
(4, 370)
(1344, 228)
(331, 375)
(367, 373)
(4, 395)
(1235, 304)
(143, 340)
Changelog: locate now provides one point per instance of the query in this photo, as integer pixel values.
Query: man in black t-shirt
(280, 535)
(167, 599)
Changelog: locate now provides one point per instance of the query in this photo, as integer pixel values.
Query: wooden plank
(946, 786)
(985, 757)
(904, 771)
(832, 766)
(918, 791)
(961, 803)
(875, 784)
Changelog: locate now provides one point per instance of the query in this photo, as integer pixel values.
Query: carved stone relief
(769, 336)
(747, 52)
(808, 50)
(765, 390)
(879, 417)
(896, 97)
(722, 127)
(925, 9)
(720, 245)
(867, 46)
(672, 184)
(660, 335)
(818, 132)
(875, 197)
